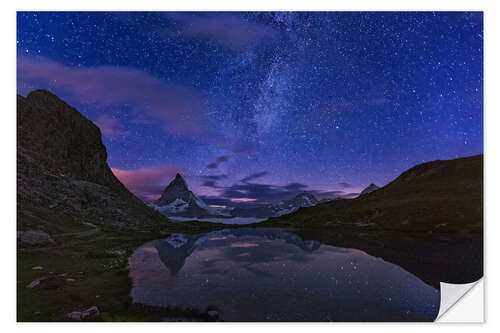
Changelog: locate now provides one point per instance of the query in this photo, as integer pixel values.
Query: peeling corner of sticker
(451, 293)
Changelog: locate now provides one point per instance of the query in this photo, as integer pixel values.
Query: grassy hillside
(436, 197)
(86, 265)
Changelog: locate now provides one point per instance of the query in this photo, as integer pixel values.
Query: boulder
(34, 237)
(93, 311)
(75, 315)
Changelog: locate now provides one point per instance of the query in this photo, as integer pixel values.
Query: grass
(82, 271)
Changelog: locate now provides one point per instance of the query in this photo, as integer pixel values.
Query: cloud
(146, 183)
(248, 195)
(214, 177)
(345, 185)
(109, 127)
(216, 201)
(230, 30)
(262, 193)
(254, 176)
(221, 159)
(210, 183)
(243, 200)
(320, 195)
(295, 187)
(218, 161)
(211, 180)
(179, 109)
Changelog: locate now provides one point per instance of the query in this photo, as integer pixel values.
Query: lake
(258, 274)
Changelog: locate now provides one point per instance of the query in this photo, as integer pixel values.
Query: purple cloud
(218, 161)
(254, 176)
(178, 108)
(109, 127)
(147, 183)
(230, 30)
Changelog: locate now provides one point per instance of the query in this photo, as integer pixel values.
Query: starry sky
(255, 107)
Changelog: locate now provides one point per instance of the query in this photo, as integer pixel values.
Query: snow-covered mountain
(178, 200)
(283, 207)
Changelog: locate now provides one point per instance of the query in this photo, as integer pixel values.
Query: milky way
(261, 106)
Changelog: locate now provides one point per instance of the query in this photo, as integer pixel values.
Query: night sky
(256, 107)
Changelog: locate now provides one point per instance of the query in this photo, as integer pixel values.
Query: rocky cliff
(62, 173)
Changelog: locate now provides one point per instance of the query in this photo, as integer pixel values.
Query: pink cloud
(243, 199)
(146, 183)
(109, 127)
(178, 108)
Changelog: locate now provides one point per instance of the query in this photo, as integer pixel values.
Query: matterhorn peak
(177, 199)
(179, 180)
(177, 189)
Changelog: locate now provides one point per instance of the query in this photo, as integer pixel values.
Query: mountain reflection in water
(272, 275)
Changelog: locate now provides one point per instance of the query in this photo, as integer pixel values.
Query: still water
(273, 275)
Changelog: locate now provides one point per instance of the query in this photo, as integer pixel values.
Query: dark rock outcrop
(91, 312)
(62, 171)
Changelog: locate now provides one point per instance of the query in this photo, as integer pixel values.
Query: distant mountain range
(280, 208)
(178, 201)
(435, 197)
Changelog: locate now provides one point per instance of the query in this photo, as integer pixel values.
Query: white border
(8, 175)
(469, 308)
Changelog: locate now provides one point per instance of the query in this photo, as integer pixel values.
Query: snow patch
(176, 206)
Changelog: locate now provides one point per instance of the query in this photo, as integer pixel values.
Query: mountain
(372, 187)
(62, 174)
(178, 200)
(280, 208)
(436, 197)
(283, 207)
